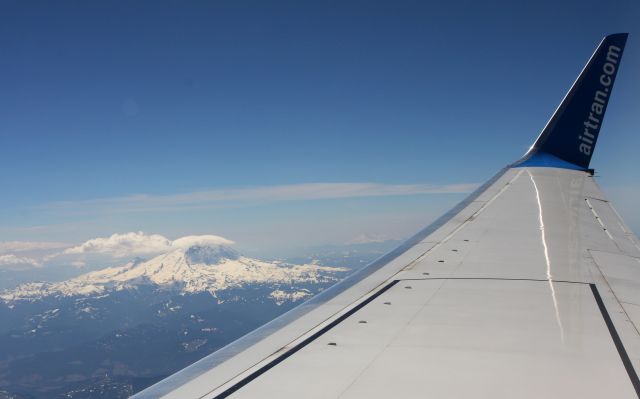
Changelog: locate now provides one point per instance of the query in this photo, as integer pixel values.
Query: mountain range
(114, 331)
(192, 270)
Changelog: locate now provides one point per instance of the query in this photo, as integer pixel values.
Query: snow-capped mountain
(194, 269)
(111, 332)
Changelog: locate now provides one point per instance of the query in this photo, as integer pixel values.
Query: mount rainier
(195, 269)
(111, 332)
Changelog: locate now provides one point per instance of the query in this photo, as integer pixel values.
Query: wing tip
(569, 138)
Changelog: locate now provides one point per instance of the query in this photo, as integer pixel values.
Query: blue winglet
(569, 138)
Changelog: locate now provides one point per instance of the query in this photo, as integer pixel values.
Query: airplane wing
(529, 288)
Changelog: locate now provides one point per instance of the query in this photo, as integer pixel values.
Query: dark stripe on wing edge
(304, 343)
(624, 356)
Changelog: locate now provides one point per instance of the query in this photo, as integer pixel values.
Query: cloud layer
(13, 262)
(141, 244)
(251, 195)
(24, 246)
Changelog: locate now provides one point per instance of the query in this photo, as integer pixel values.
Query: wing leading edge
(528, 288)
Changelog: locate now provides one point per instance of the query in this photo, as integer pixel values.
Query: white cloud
(122, 245)
(141, 244)
(23, 246)
(251, 195)
(14, 262)
(204, 240)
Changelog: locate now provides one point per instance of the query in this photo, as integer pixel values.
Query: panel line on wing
(415, 315)
(309, 339)
(541, 280)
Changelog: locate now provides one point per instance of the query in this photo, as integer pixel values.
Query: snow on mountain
(193, 269)
(281, 296)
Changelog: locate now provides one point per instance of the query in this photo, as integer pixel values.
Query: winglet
(570, 136)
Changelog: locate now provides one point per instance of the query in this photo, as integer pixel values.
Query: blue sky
(401, 106)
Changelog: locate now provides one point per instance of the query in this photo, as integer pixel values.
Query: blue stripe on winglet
(547, 160)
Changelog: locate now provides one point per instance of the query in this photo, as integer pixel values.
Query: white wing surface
(530, 288)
